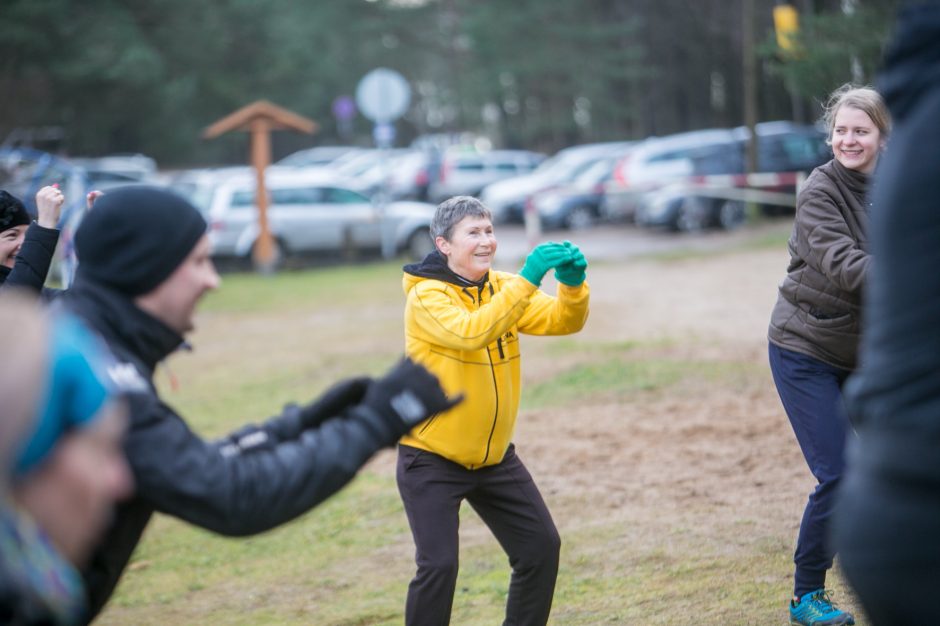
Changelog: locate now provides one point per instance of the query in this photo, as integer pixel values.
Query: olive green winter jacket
(818, 310)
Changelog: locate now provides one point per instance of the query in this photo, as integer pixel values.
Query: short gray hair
(451, 211)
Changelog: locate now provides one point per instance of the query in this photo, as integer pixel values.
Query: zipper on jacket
(499, 340)
(489, 440)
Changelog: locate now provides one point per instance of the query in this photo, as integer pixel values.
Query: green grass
(354, 285)
(600, 381)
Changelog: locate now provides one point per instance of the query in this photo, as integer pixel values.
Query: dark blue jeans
(811, 392)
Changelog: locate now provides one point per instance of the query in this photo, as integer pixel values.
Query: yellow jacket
(468, 336)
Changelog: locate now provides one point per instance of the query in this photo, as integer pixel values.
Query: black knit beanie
(135, 237)
(12, 212)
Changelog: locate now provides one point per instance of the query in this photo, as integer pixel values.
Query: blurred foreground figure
(144, 265)
(888, 515)
(63, 466)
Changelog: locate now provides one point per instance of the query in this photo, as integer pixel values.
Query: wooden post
(260, 118)
(262, 254)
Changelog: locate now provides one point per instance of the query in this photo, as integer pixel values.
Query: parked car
(782, 147)
(314, 211)
(576, 204)
(370, 171)
(199, 185)
(316, 156)
(466, 173)
(506, 199)
(659, 161)
(410, 175)
(116, 170)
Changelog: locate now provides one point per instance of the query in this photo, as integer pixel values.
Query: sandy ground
(705, 465)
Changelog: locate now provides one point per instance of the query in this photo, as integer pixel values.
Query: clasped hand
(566, 258)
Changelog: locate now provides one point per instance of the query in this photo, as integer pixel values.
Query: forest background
(126, 76)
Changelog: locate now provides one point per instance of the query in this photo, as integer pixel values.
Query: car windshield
(594, 171)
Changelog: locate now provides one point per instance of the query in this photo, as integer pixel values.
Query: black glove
(334, 401)
(407, 395)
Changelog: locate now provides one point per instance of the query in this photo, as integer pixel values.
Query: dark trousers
(508, 502)
(811, 392)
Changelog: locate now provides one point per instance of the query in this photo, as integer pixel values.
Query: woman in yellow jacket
(462, 321)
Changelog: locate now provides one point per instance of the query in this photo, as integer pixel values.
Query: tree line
(148, 75)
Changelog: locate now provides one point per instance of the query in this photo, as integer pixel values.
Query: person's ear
(442, 245)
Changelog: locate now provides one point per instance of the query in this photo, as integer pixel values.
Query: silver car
(314, 211)
(467, 173)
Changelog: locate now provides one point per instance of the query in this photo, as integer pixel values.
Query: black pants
(888, 532)
(811, 392)
(508, 502)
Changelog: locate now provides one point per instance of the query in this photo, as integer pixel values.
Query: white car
(314, 211)
(464, 173)
(506, 199)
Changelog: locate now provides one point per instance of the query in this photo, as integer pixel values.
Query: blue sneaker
(816, 609)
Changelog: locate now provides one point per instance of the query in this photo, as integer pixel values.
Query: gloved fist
(407, 395)
(572, 273)
(543, 257)
(334, 401)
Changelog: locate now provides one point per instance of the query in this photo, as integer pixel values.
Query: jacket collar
(435, 266)
(116, 317)
(855, 181)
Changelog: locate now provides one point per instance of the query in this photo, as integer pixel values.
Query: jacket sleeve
(824, 241)
(33, 261)
(561, 315)
(254, 480)
(431, 314)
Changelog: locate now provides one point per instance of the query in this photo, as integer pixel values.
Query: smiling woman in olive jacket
(815, 326)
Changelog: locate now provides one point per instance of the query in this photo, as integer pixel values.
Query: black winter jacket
(252, 481)
(895, 396)
(32, 263)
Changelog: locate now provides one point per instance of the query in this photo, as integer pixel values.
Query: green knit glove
(543, 257)
(572, 273)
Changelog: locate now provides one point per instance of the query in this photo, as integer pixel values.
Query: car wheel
(579, 218)
(693, 215)
(730, 214)
(419, 244)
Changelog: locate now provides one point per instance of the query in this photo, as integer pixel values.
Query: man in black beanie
(143, 266)
(27, 246)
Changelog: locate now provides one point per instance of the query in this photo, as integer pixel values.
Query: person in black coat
(888, 514)
(143, 266)
(27, 246)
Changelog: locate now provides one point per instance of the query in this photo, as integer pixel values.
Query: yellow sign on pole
(787, 26)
